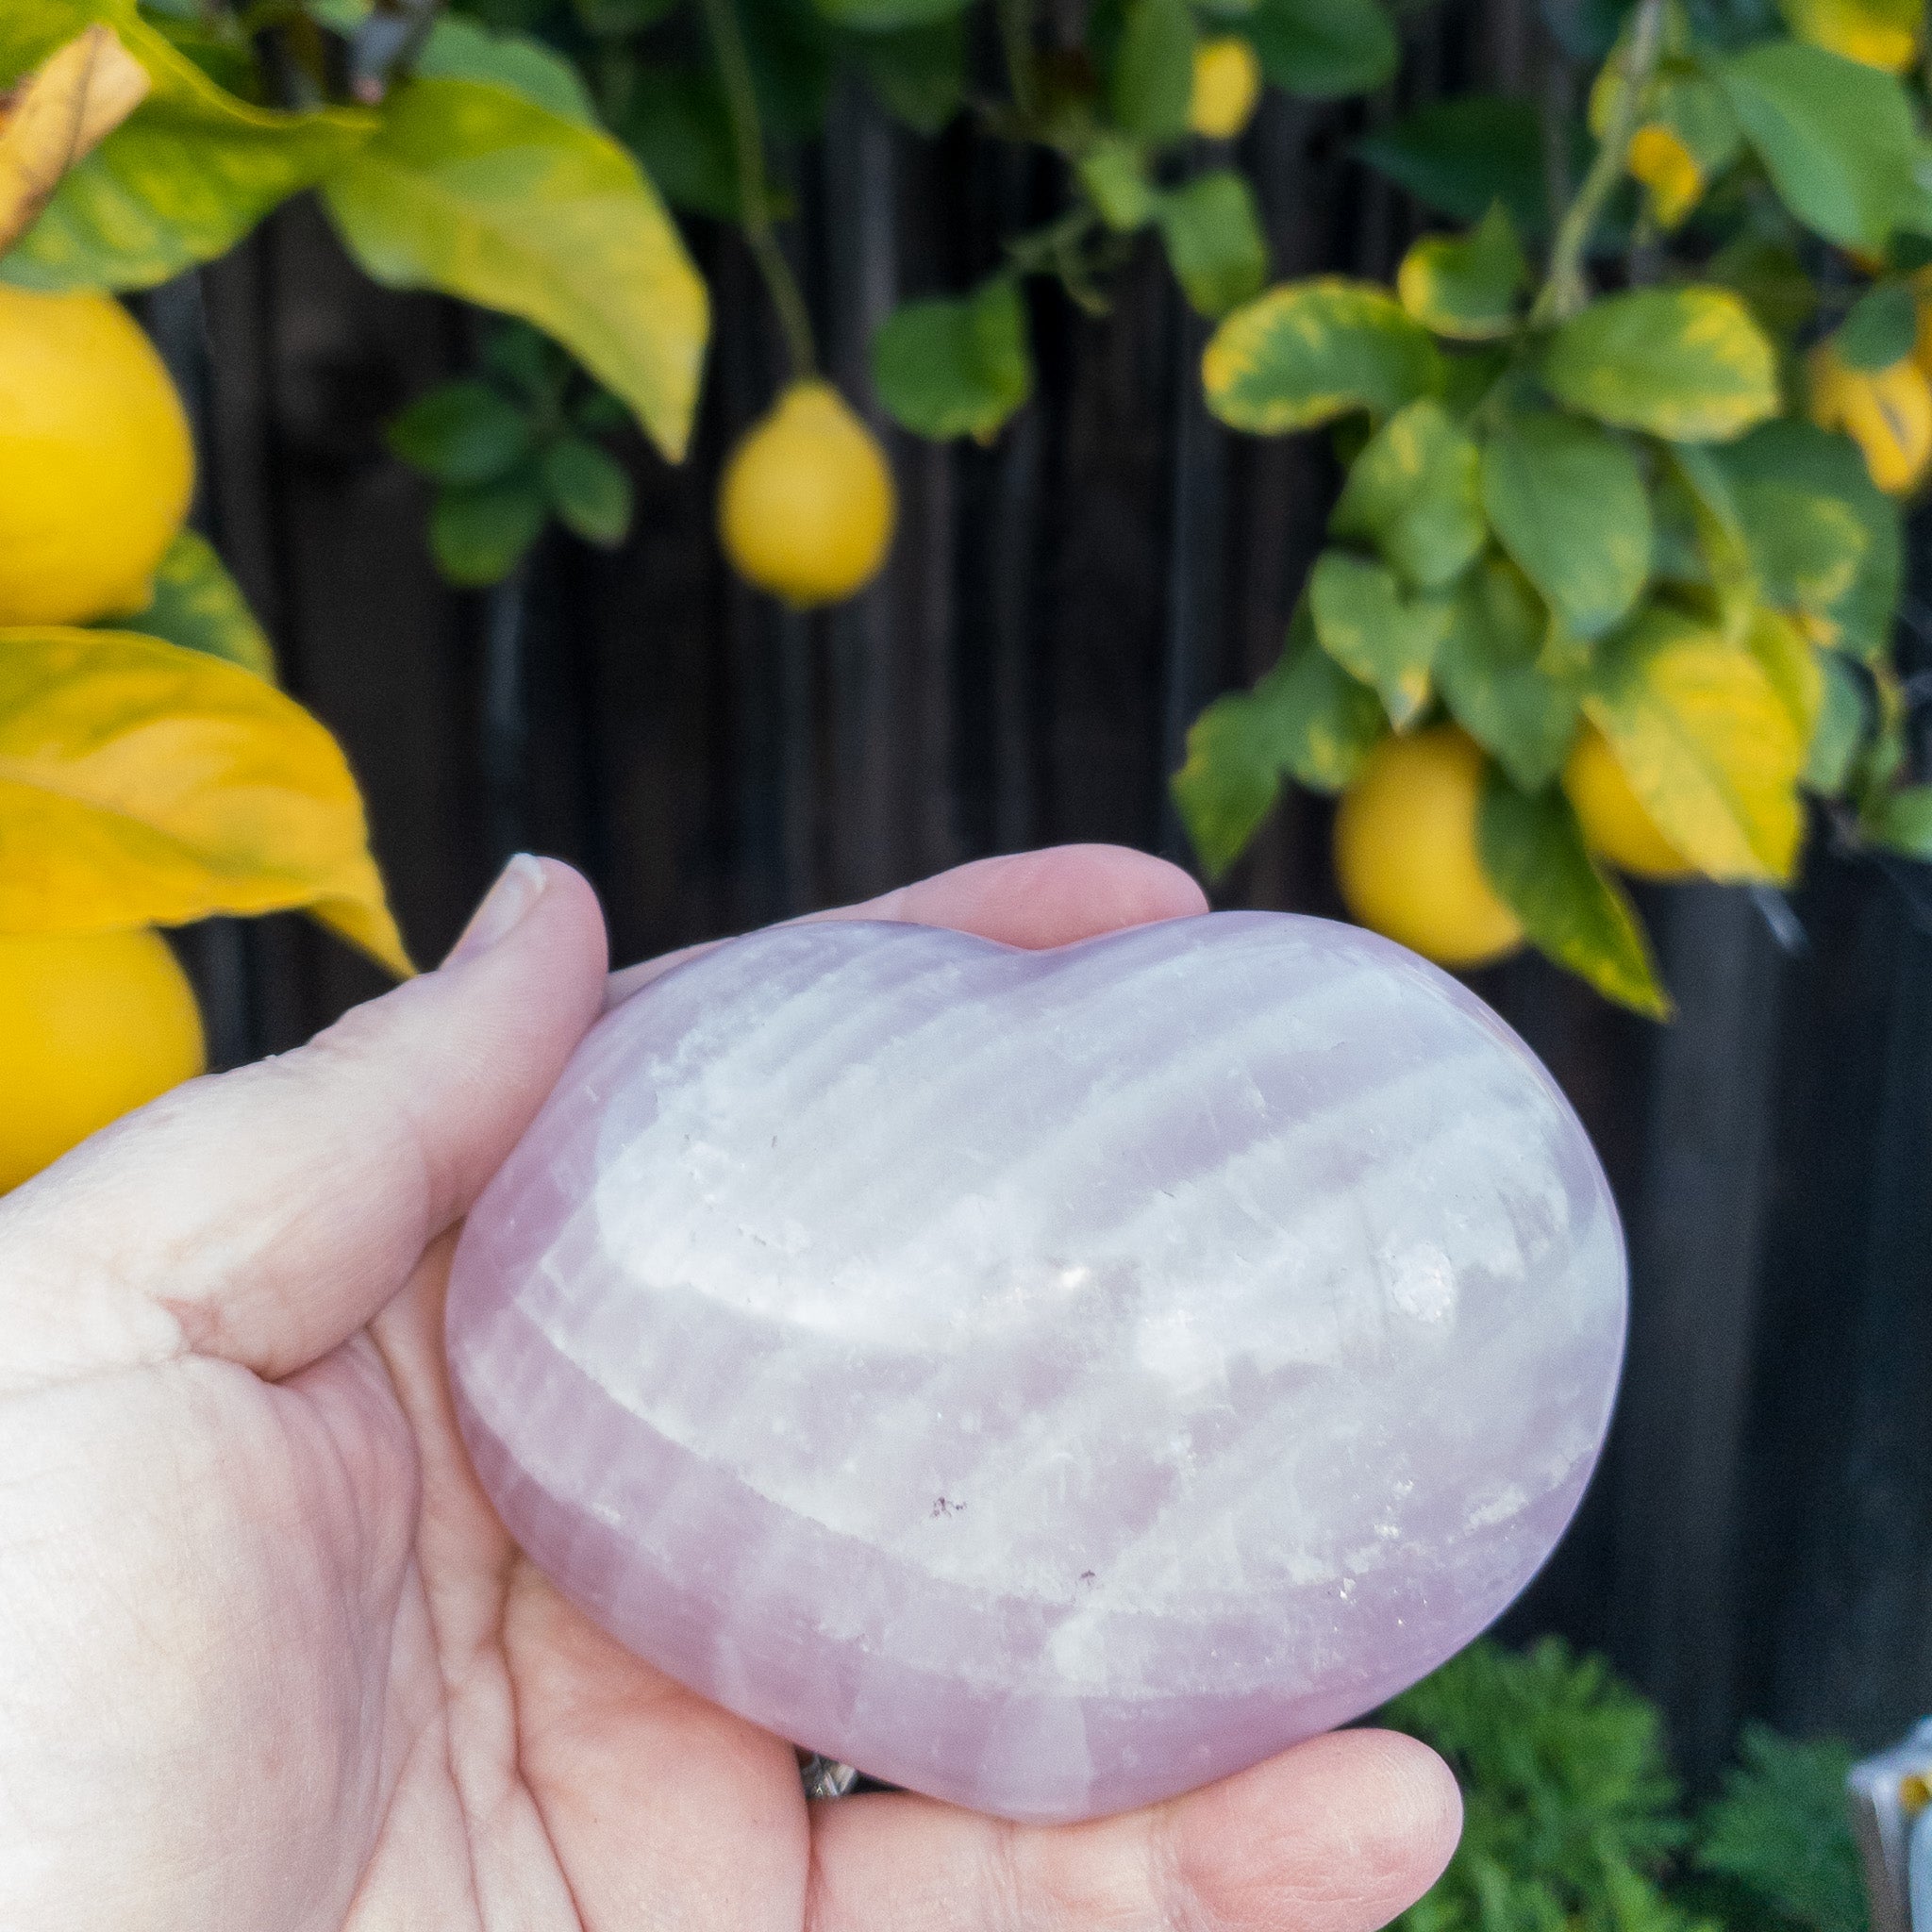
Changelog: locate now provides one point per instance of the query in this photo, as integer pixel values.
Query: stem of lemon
(1565, 292)
(754, 190)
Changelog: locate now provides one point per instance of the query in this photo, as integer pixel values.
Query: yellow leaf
(1658, 158)
(59, 112)
(1877, 33)
(143, 784)
(1710, 745)
(1887, 412)
(1789, 659)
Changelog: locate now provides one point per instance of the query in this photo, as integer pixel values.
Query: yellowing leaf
(1658, 158)
(1887, 412)
(482, 193)
(1376, 634)
(1689, 364)
(1707, 743)
(143, 784)
(1307, 352)
(181, 180)
(1876, 33)
(1465, 286)
(61, 111)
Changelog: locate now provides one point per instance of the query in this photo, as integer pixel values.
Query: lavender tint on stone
(1045, 1380)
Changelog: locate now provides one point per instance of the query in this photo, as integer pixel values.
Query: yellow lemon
(1226, 85)
(1406, 850)
(1614, 821)
(96, 465)
(806, 507)
(92, 1025)
(1887, 412)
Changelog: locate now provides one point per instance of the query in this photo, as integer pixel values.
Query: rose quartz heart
(1046, 1380)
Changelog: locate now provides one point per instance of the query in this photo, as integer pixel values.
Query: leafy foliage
(1567, 499)
(1776, 1835)
(1573, 1820)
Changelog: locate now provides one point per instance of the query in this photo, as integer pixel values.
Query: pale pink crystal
(1046, 1380)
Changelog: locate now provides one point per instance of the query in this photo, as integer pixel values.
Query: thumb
(265, 1215)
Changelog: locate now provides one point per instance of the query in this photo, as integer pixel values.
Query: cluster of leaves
(1563, 512)
(447, 159)
(1112, 103)
(1572, 1822)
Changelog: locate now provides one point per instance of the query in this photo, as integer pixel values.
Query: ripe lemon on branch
(807, 506)
(92, 1025)
(96, 466)
(1406, 854)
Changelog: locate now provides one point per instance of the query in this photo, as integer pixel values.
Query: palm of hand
(268, 1658)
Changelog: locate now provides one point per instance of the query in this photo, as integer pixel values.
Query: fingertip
(1051, 897)
(1353, 1827)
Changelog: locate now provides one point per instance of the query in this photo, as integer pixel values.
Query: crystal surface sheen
(1046, 1380)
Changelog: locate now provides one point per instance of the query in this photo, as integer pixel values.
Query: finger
(266, 1214)
(1338, 1835)
(1048, 898)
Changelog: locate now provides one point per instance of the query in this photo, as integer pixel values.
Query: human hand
(268, 1659)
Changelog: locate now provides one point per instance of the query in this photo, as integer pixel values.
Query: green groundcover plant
(1574, 1823)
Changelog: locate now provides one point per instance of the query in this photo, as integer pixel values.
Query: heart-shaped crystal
(1046, 1380)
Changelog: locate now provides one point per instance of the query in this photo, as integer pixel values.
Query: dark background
(1759, 1542)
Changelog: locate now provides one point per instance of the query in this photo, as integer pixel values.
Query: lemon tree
(1621, 518)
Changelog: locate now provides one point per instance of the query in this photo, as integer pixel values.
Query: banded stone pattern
(1046, 1380)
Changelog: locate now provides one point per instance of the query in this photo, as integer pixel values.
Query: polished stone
(1046, 1380)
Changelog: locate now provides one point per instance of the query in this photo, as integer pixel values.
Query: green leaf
(1567, 502)
(460, 49)
(476, 192)
(1113, 170)
(1686, 363)
(1375, 633)
(793, 50)
(1461, 157)
(1323, 49)
(1825, 541)
(1835, 136)
(461, 432)
(1466, 286)
(1154, 69)
(919, 73)
(480, 533)
(880, 16)
(1700, 534)
(1490, 672)
(1306, 716)
(1415, 492)
(954, 368)
(181, 180)
(1840, 730)
(1307, 352)
(1533, 852)
(1901, 820)
(1707, 745)
(1765, 270)
(679, 127)
(588, 490)
(1215, 244)
(1881, 328)
(197, 605)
